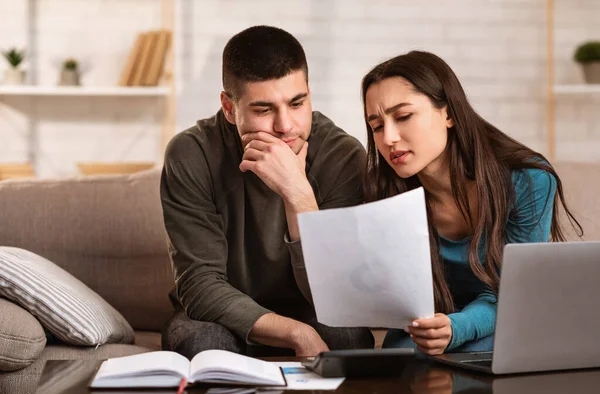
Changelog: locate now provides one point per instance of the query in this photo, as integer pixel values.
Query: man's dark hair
(260, 53)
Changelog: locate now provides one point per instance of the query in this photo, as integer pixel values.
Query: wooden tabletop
(421, 376)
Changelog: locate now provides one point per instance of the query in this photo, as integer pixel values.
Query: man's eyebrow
(298, 97)
(260, 104)
(387, 111)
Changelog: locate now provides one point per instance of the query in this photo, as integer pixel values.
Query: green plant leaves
(14, 57)
(588, 52)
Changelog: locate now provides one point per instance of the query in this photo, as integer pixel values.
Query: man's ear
(228, 108)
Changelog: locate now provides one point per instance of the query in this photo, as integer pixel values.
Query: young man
(231, 189)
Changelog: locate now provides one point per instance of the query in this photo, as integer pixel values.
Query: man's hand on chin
(273, 161)
(283, 171)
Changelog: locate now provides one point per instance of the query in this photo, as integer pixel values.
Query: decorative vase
(69, 78)
(591, 72)
(14, 76)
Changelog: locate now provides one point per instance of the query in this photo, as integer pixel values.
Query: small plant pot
(591, 72)
(14, 76)
(69, 78)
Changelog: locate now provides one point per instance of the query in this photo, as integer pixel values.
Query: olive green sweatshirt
(227, 230)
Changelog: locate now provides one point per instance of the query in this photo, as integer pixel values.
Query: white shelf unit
(166, 92)
(30, 90)
(552, 88)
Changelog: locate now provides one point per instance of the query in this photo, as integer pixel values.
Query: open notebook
(166, 369)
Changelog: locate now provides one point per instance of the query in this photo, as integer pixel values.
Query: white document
(370, 265)
(300, 378)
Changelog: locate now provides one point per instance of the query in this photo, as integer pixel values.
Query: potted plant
(69, 75)
(13, 74)
(588, 55)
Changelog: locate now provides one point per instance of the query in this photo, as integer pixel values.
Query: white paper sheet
(300, 378)
(370, 265)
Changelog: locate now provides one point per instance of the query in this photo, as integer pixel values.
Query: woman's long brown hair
(476, 151)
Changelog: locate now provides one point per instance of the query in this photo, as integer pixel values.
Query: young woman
(483, 190)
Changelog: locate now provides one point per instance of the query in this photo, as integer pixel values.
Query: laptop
(548, 314)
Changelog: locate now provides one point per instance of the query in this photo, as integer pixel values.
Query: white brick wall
(497, 48)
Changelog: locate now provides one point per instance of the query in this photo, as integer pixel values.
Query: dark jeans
(189, 337)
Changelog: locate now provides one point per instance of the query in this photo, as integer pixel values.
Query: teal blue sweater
(529, 221)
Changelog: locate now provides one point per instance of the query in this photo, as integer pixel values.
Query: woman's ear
(449, 121)
(228, 107)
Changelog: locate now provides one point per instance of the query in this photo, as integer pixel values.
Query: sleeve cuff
(295, 248)
(457, 321)
(251, 321)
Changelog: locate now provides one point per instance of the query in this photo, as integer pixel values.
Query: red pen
(182, 385)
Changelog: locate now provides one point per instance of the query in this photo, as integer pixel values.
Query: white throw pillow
(65, 306)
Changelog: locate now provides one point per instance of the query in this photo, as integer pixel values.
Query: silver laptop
(548, 311)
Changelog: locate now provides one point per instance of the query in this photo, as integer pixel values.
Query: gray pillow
(22, 337)
(65, 306)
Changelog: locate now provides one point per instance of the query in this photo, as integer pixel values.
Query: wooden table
(421, 377)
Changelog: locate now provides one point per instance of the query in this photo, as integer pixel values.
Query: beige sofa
(108, 232)
(581, 183)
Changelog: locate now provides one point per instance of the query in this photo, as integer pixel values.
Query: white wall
(497, 48)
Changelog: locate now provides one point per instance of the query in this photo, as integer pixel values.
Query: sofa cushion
(581, 190)
(106, 230)
(22, 337)
(65, 306)
(148, 339)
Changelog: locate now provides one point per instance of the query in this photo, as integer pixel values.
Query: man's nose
(283, 122)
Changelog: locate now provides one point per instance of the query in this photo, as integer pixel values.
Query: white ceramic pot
(69, 78)
(14, 76)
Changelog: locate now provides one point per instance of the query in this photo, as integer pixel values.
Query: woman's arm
(529, 221)
(475, 321)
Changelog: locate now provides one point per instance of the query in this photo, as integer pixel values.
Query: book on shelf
(164, 369)
(155, 68)
(130, 66)
(144, 58)
(146, 61)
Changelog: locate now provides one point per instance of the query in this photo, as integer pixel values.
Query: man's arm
(198, 249)
(343, 189)
(298, 201)
(305, 203)
(285, 174)
(197, 242)
(280, 331)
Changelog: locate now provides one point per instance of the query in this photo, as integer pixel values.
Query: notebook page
(243, 367)
(145, 363)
